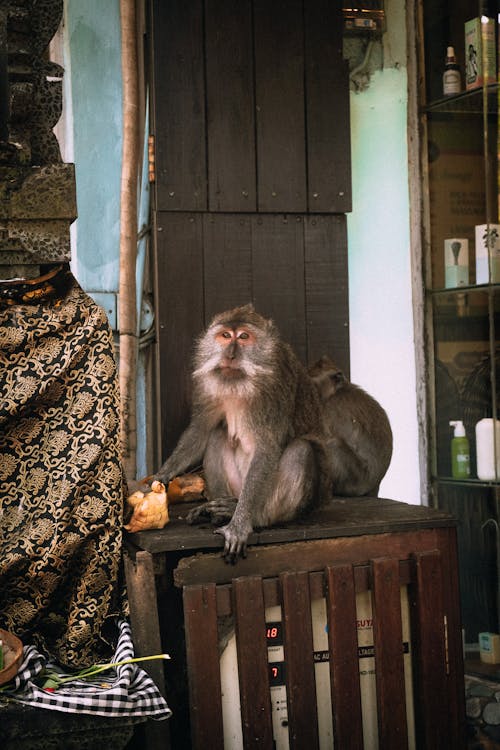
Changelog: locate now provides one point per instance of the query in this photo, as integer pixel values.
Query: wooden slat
(451, 595)
(279, 95)
(317, 586)
(344, 664)
(327, 291)
(227, 252)
(230, 106)
(328, 125)
(180, 316)
(202, 653)
(179, 102)
(300, 676)
(144, 621)
(248, 600)
(270, 559)
(278, 275)
(429, 653)
(389, 667)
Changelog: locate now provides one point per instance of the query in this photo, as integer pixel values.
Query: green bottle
(460, 452)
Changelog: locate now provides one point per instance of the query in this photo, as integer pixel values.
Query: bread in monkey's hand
(185, 488)
(150, 505)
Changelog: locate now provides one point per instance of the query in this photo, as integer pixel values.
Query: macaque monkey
(257, 426)
(274, 439)
(359, 436)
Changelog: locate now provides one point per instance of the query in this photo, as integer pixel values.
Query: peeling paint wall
(93, 36)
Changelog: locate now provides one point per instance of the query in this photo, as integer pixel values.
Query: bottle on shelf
(460, 452)
(452, 81)
(487, 444)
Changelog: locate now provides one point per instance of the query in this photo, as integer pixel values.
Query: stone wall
(37, 191)
(483, 713)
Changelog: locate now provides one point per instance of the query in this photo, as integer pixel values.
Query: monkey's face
(234, 353)
(235, 345)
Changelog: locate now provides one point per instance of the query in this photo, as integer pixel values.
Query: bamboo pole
(128, 239)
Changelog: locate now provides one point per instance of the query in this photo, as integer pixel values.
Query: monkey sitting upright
(274, 439)
(256, 423)
(359, 436)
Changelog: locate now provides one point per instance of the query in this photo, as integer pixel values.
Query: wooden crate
(354, 545)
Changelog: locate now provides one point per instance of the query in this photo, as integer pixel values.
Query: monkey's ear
(338, 378)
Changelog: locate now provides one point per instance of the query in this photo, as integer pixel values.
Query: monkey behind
(358, 432)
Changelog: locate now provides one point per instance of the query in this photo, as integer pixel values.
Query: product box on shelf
(456, 262)
(487, 254)
(480, 52)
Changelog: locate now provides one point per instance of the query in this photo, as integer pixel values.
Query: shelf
(465, 103)
(466, 482)
(463, 289)
(474, 667)
(460, 188)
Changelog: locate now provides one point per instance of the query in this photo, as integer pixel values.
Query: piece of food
(150, 508)
(185, 488)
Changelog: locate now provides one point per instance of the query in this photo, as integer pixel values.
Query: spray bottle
(460, 453)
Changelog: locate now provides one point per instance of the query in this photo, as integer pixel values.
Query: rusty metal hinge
(151, 158)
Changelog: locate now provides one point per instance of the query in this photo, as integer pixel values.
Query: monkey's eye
(226, 334)
(244, 336)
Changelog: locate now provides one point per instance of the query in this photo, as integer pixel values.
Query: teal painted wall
(93, 35)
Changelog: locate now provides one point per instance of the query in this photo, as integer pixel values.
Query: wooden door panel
(328, 132)
(327, 291)
(279, 98)
(251, 118)
(180, 315)
(181, 180)
(278, 275)
(293, 268)
(227, 261)
(230, 106)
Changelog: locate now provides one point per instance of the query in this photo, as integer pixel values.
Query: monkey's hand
(235, 534)
(217, 511)
(188, 453)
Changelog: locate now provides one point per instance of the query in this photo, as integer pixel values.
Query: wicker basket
(13, 653)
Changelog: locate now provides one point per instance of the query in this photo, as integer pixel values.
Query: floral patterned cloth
(61, 481)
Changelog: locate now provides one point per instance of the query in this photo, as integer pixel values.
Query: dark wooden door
(251, 123)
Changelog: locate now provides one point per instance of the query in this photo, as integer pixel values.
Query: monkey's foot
(217, 512)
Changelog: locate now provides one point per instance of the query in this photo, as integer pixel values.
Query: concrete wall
(93, 36)
(380, 292)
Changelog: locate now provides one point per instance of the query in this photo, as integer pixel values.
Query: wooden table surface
(341, 517)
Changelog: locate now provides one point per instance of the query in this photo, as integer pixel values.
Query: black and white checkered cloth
(124, 691)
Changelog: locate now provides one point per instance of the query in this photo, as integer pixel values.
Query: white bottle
(452, 82)
(487, 439)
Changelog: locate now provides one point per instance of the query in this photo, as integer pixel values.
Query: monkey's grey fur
(358, 432)
(267, 432)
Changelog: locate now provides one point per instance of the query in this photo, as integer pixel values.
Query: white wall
(380, 293)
